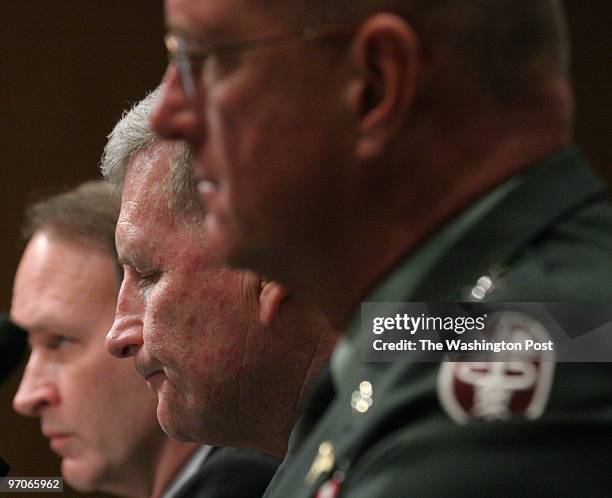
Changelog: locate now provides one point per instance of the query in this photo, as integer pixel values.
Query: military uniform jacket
(548, 239)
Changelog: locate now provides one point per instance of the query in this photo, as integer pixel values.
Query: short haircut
(509, 45)
(133, 134)
(86, 214)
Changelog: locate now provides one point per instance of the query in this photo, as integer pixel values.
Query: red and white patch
(329, 489)
(519, 385)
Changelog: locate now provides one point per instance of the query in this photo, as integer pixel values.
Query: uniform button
(323, 462)
(483, 286)
(365, 388)
(361, 400)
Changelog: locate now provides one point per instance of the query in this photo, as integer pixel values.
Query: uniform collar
(401, 283)
(491, 231)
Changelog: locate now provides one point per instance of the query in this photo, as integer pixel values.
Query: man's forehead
(149, 165)
(141, 228)
(142, 193)
(211, 20)
(190, 18)
(57, 280)
(52, 259)
(134, 243)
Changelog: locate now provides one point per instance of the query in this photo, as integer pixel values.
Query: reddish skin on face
(228, 369)
(185, 322)
(195, 331)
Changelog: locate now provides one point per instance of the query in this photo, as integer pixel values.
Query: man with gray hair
(229, 354)
(96, 411)
(405, 150)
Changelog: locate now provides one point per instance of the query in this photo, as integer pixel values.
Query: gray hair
(133, 134)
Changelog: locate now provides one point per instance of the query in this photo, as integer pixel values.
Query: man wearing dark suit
(228, 472)
(96, 411)
(404, 150)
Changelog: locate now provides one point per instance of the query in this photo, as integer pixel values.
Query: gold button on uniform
(324, 462)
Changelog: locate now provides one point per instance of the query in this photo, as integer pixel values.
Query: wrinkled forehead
(146, 228)
(146, 174)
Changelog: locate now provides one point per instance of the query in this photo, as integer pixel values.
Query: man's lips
(155, 379)
(154, 374)
(59, 441)
(146, 372)
(54, 434)
(150, 369)
(146, 366)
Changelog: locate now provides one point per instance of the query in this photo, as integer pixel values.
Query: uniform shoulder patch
(517, 386)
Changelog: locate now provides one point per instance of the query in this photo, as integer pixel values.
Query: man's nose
(37, 390)
(125, 336)
(177, 116)
(123, 341)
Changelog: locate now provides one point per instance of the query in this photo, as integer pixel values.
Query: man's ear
(271, 296)
(387, 54)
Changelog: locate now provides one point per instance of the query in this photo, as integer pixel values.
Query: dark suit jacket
(4, 468)
(231, 473)
(548, 239)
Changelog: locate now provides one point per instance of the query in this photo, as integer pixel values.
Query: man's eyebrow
(133, 249)
(179, 26)
(124, 260)
(129, 256)
(202, 35)
(50, 327)
(34, 332)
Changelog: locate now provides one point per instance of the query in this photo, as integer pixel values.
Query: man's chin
(177, 434)
(171, 426)
(79, 475)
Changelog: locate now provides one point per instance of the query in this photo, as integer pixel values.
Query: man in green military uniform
(405, 441)
(380, 150)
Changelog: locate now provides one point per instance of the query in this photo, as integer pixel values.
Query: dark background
(70, 67)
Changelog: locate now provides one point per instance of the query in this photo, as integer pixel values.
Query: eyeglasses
(189, 59)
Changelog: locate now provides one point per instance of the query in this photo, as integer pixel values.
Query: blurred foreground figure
(96, 411)
(392, 151)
